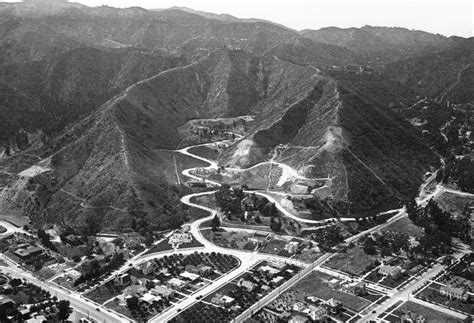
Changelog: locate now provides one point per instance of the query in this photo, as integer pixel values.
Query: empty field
(353, 261)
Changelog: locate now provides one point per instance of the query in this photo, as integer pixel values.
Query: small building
(278, 280)
(248, 285)
(299, 307)
(334, 283)
(226, 300)
(176, 283)
(189, 276)
(333, 306)
(317, 313)
(147, 268)
(27, 251)
(162, 291)
(73, 240)
(205, 270)
(393, 271)
(411, 317)
(269, 270)
(355, 288)
(150, 298)
(454, 292)
(73, 275)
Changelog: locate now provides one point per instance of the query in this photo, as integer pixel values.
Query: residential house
(205, 270)
(278, 280)
(176, 283)
(317, 313)
(162, 291)
(248, 285)
(27, 251)
(226, 300)
(269, 270)
(299, 307)
(147, 268)
(334, 283)
(392, 271)
(73, 275)
(355, 288)
(454, 292)
(411, 317)
(333, 306)
(73, 240)
(457, 288)
(189, 276)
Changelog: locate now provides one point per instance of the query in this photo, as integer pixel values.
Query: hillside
(343, 128)
(380, 45)
(447, 75)
(107, 94)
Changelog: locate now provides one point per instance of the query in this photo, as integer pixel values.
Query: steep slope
(48, 94)
(445, 76)
(110, 167)
(341, 126)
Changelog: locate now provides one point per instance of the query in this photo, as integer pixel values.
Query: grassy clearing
(405, 225)
(453, 203)
(353, 261)
(103, 293)
(233, 240)
(314, 284)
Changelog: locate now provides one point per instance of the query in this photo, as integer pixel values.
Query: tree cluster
(459, 171)
(387, 244)
(94, 269)
(328, 237)
(45, 240)
(439, 223)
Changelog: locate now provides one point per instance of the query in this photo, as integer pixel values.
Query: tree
(132, 303)
(275, 223)
(64, 310)
(448, 260)
(216, 223)
(385, 252)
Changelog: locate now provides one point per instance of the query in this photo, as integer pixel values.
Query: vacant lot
(454, 203)
(104, 292)
(233, 239)
(352, 261)
(314, 284)
(406, 226)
